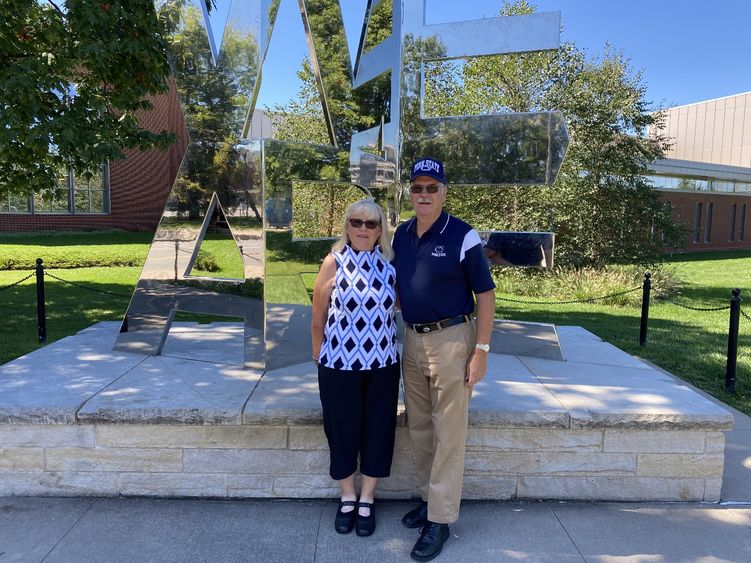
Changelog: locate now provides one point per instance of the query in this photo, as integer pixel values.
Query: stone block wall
(292, 461)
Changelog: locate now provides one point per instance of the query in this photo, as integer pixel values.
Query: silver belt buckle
(426, 329)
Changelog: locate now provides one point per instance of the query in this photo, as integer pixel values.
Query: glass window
(673, 183)
(697, 222)
(742, 223)
(731, 222)
(14, 204)
(723, 186)
(54, 200)
(743, 187)
(89, 193)
(708, 223)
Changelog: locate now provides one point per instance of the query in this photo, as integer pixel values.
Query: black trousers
(359, 417)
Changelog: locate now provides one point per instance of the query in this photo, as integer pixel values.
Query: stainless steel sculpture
(249, 220)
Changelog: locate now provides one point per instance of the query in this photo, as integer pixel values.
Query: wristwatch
(483, 347)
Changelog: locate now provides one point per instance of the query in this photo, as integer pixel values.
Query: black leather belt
(445, 323)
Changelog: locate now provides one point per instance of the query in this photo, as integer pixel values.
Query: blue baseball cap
(428, 167)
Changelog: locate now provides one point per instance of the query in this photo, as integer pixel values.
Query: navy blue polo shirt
(437, 273)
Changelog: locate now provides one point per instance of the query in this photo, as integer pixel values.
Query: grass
(73, 250)
(69, 308)
(223, 255)
(690, 344)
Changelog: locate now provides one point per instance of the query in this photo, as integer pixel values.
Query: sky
(687, 50)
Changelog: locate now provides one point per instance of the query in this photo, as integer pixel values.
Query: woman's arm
(321, 296)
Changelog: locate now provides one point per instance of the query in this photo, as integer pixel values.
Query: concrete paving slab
(512, 531)
(499, 403)
(391, 542)
(588, 373)
(669, 406)
(736, 475)
(572, 333)
(218, 343)
(590, 351)
(127, 530)
(286, 396)
(289, 396)
(49, 385)
(32, 526)
(170, 390)
(517, 338)
(627, 532)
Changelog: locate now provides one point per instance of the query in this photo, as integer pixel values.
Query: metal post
(41, 316)
(646, 289)
(735, 313)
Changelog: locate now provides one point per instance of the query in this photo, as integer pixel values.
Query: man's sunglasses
(430, 188)
(357, 223)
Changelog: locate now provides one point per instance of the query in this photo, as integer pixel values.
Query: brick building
(706, 178)
(129, 194)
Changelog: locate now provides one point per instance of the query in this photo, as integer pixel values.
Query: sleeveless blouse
(360, 331)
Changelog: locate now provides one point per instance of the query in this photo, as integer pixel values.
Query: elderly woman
(354, 347)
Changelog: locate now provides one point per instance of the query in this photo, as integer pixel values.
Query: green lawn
(690, 344)
(73, 250)
(69, 308)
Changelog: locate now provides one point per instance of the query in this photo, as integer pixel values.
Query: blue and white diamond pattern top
(360, 331)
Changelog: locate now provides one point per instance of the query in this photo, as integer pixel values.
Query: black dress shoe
(417, 517)
(430, 544)
(365, 525)
(345, 521)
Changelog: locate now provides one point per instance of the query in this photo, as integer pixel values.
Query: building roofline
(698, 169)
(709, 100)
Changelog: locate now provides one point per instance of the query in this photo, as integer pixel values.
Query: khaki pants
(437, 401)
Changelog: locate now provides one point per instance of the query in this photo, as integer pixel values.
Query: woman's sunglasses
(357, 223)
(430, 188)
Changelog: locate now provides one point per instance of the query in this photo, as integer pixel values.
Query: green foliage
(566, 284)
(70, 84)
(319, 208)
(73, 250)
(602, 208)
(214, 100)
(219, 256)
(205, 262)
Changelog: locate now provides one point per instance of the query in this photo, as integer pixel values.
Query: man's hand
(476, 367)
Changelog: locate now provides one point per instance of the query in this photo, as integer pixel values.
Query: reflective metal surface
(248, 221)
(515, 248)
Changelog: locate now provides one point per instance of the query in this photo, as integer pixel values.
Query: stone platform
(77, 418)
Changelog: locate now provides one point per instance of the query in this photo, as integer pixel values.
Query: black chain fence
(646, 287)
(14, 284)
(723, 308)
(585, 300)
(82, 286)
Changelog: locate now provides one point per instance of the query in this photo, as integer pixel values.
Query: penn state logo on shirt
(438, 252)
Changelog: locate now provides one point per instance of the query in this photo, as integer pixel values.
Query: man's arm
(478, 361)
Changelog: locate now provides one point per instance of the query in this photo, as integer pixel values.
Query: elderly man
(439, 265)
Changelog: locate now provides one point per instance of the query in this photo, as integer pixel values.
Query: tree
(602, 207)
(214, 100)
(71, 82)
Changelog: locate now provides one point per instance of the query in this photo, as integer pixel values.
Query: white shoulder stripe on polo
(471, 239)
(448, 218)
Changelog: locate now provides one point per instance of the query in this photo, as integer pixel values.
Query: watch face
(483, 347)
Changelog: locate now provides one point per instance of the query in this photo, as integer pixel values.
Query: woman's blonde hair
(372, 212)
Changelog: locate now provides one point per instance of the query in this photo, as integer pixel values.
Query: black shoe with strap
(365, 525)
(345, 521)
(417, 517)
(432, 537)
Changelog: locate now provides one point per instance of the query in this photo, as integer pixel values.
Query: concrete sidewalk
(127, 530)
